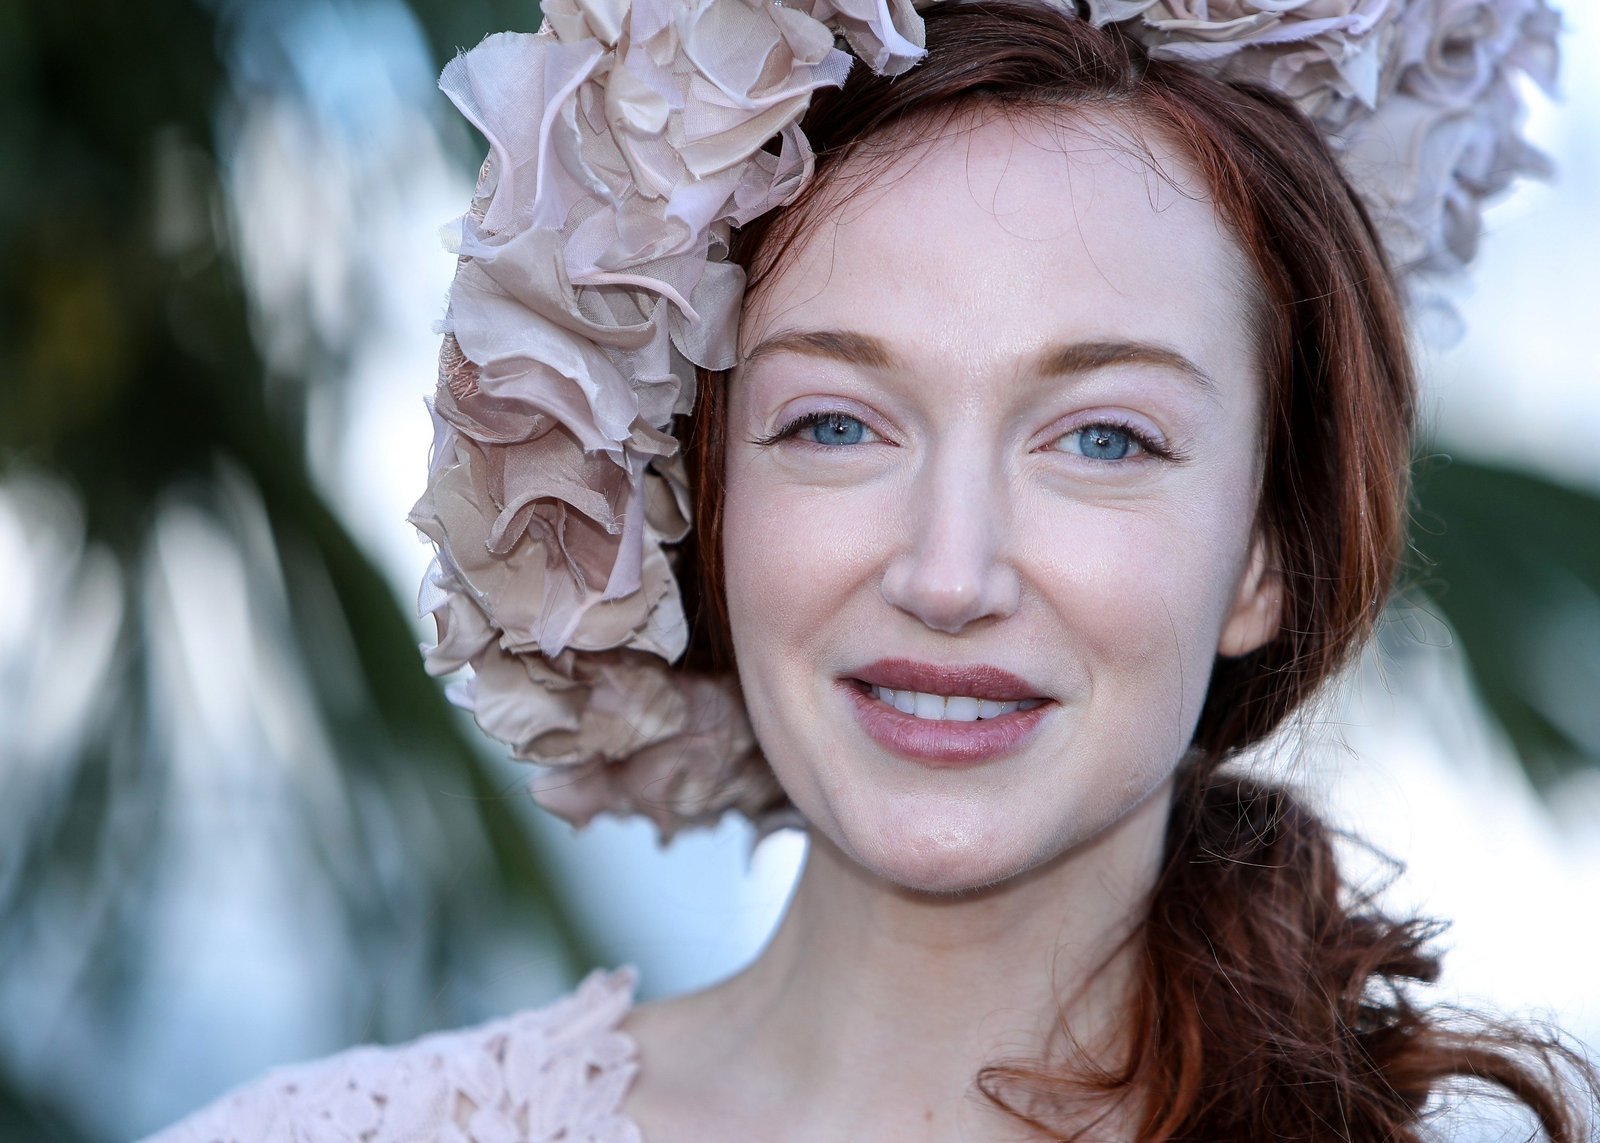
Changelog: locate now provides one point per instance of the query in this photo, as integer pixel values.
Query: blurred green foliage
(128, 370)
(1512, 562)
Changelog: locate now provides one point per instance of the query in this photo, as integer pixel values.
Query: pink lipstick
(945, 714)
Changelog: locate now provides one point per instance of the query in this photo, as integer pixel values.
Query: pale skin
(993, 330)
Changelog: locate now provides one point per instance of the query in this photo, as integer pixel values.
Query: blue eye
(1101, 442)
(830, 429)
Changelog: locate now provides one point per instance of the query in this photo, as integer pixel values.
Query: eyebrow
(1056, 360)
(1087, 356)
(837, 344)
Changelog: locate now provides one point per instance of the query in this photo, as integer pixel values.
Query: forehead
(997, 235)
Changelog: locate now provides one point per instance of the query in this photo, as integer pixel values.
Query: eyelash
(1146, 443)
(806, 421)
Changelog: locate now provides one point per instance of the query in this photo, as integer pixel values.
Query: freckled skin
(964, 528)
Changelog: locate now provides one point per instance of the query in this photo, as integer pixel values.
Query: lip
(938, 742)
(976, 680)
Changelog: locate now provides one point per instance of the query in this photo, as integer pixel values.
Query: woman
(1062, 458)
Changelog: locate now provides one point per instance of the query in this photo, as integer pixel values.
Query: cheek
(794, 559)
(1142, 593)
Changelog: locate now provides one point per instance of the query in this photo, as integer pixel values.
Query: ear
(1257, 609)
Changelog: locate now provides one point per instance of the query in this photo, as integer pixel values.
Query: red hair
(1270, 1003)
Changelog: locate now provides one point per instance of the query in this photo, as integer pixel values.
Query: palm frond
(1512, 561)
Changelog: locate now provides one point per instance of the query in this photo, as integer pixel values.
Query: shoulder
(558, 1072)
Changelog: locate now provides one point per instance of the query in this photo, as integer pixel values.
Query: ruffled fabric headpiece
(627, 139)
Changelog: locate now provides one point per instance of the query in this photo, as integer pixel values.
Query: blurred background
(238, 824)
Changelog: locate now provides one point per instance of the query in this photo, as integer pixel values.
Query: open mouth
(946, 708)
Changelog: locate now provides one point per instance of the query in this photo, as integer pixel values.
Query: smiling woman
(972, 537)
(1074, 384)
(1065, 457)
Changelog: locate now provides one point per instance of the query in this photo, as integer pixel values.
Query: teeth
(960, 708)
(948, 708)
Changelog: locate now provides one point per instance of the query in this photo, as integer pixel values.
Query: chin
(940, 853)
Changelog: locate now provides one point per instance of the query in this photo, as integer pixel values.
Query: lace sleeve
(554, 1075)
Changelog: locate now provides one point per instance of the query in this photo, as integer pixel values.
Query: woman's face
(991, 484)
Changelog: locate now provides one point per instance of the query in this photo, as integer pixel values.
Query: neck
(891, 1001)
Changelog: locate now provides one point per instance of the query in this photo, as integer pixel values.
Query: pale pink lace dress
(553, 1075)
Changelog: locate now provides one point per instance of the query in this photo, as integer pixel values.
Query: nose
(952, 567)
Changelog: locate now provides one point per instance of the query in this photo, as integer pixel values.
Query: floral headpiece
(628, 138)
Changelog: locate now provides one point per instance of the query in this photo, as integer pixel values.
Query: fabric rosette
(1445, 137)
(1418, 98)
(627, 140)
